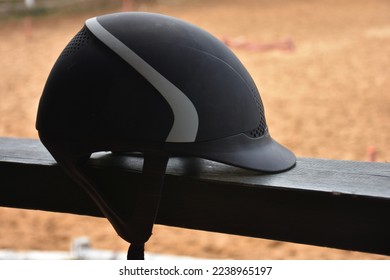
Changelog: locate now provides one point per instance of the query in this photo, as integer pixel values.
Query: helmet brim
(262, 154)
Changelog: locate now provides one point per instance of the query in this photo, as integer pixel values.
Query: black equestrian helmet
(142, 81)
(149, 83)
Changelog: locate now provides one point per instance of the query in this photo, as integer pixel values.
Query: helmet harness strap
(147, 203)
(137, 227)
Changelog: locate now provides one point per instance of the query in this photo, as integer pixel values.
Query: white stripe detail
(186, 121)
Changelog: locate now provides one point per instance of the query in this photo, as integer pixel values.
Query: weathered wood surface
(340, 204)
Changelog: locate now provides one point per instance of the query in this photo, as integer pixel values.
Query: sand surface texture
(323, 72)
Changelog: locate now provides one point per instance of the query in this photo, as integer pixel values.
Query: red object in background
(371, 154)
(286, 45)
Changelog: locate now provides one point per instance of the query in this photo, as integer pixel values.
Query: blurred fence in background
(12, 8)
(81, 249)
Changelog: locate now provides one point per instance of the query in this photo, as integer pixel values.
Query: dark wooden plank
(340, 204)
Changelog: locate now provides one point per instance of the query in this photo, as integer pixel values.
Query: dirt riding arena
(322, 68)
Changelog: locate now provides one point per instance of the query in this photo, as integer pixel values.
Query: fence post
(27, 19)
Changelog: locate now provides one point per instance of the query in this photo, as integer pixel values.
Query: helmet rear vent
(80, 40)
(262, 125)
(257, 132)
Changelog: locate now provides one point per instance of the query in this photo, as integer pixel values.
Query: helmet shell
(141, 81)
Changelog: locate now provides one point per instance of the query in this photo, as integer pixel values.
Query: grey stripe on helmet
(186, 121)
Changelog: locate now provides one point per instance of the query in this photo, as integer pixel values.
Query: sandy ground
(328, 97)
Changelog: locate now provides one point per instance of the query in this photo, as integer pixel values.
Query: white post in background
(29, 3)
(27, 20)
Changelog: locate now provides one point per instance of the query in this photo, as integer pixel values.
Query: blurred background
(322, 68)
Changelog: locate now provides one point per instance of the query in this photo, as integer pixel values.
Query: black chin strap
(136, 252)
(137, 227)
(147, 203)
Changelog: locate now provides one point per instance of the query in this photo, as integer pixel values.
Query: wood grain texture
(340, 204)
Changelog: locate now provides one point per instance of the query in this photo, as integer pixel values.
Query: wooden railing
(339, 204)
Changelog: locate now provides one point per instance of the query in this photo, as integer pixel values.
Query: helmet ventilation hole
(79, 40)
(257, 132)
(262, 125)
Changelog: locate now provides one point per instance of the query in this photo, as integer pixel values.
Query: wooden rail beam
(339, 204)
